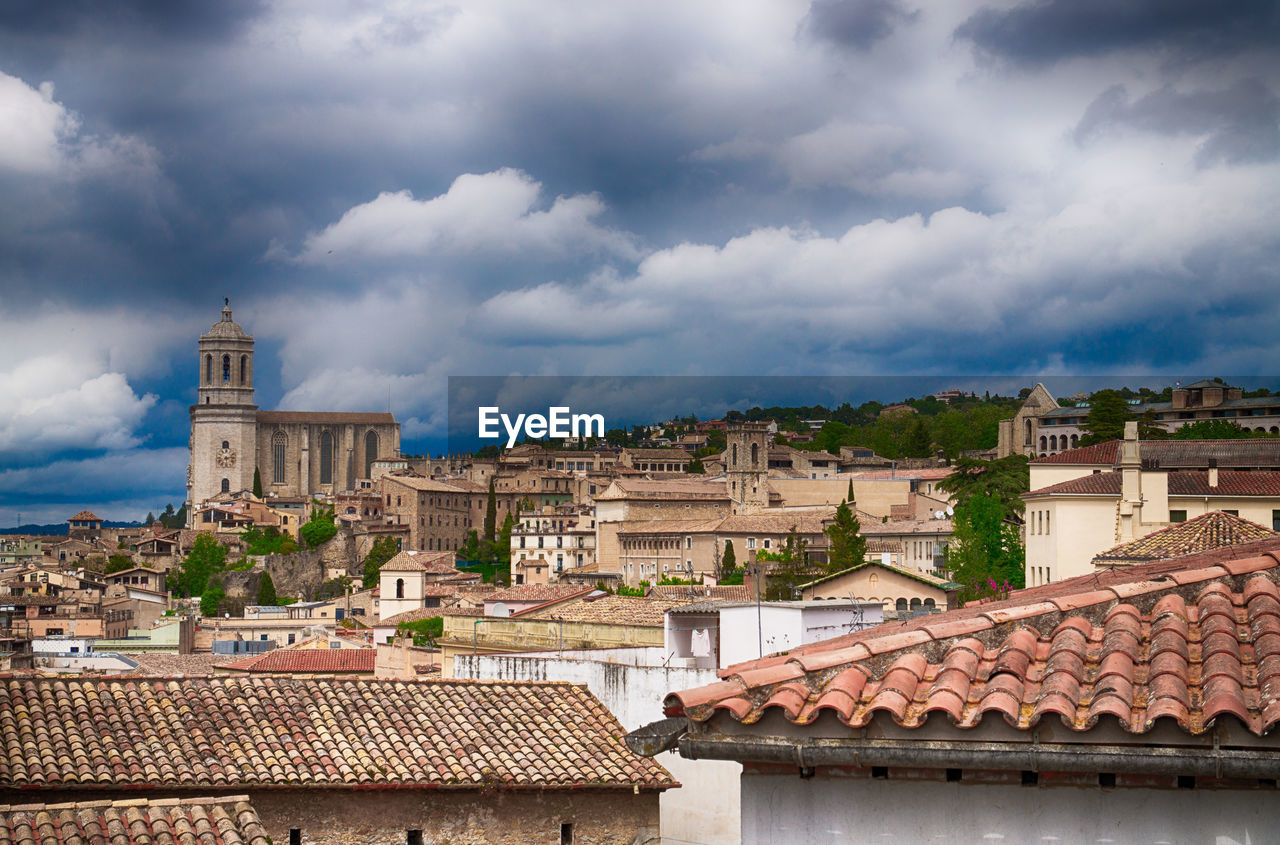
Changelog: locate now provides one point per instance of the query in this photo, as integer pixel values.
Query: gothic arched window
(244, 370)
(733, 455)
(208, 369)
(326, 458)
(226, 368)
(370, 452)
(755, 454)
(278, 442)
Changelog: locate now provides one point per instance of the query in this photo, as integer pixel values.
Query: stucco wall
(833, 809)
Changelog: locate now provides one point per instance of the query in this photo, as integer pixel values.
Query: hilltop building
(297, 453)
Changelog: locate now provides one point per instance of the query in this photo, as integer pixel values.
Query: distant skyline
(394, 194)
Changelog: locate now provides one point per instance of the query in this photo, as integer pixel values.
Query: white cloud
(40, 136)
(492, 213)
(66, 376)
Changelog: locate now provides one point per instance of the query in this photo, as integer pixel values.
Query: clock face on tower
(226, 457)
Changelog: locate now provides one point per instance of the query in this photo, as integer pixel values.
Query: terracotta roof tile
(1255, 453)
(86, 515)
(1189, 483)
(224, 821)
(239, 731)
(539, 593)
(1189, 645)
(1212, 530)
(308, 661)
(611, 610)
(720, 592)
(411, 560)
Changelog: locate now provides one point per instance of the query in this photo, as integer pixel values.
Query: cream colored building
(902, 592)
(1069, 522)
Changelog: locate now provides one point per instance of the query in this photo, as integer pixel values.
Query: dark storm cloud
(856, 23)
(193, 20)
(1242, 123)
(1045, 31)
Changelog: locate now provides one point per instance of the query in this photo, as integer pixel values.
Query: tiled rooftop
(1255, 453)
(86, 515)
(231, 732)
(179, 664)
(411, 560)
(923, 577)
(538, 593)
(1190, 483)
(677, 489)
(137, 821)
(308, 661)
(1213, 530)
(723, 592)
(610, 610)
(1190, 645)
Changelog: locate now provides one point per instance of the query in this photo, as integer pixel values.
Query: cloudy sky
(393, 193)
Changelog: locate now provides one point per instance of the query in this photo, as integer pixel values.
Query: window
(278, 442)
(262, 637)
(566, 833)
(1177, 516)
(292, 639)
(244, 370)
(208, 369)
(326, 458)
(688, 542)
(226, 369)
(399, 588)
(1275, 520)
(295, 836)
(1232, 512)
(751, 542)
(370, 452)
(413, 837)
(226, 485)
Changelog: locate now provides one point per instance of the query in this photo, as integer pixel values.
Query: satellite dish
(939, 514)
(950, 511)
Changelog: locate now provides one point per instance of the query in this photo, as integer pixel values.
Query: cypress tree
(257, 483)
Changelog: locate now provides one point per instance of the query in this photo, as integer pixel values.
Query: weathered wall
(833, 809)
(632, 682)
(383, 817)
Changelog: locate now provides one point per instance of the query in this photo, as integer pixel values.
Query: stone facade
(747, 466)
(295, 453)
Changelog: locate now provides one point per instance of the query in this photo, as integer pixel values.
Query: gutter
(1214, 762)
(1028, 755)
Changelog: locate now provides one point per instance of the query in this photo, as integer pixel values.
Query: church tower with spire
(224, 419)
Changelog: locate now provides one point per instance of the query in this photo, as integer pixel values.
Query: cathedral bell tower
(224, 418)
(747, 465)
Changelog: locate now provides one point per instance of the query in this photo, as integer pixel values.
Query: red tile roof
(86, 515)
(1165, 642)
(412, 560)
(538, 593)
(236, 731)
(1253, 453)
(166, 821)
(309, 661)
(1189, 483)
(1213, 530)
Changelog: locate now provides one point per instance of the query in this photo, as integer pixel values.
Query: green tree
(1213, 430)
(320, 528)
(1108, 412)
(210, 599)
(257, 483)
(791, 567)
(1003, 480)
(848, 546)
(205, 560)
(266, 591)
(118, 563)
(425, 632)
(985, 555)
(695, 467)
(730, 561)
(151, 519)
(502, 547)
(383, 550)
(166, 517)
(491, 514)
(919, 444)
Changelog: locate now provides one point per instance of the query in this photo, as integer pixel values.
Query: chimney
(1213, 472)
